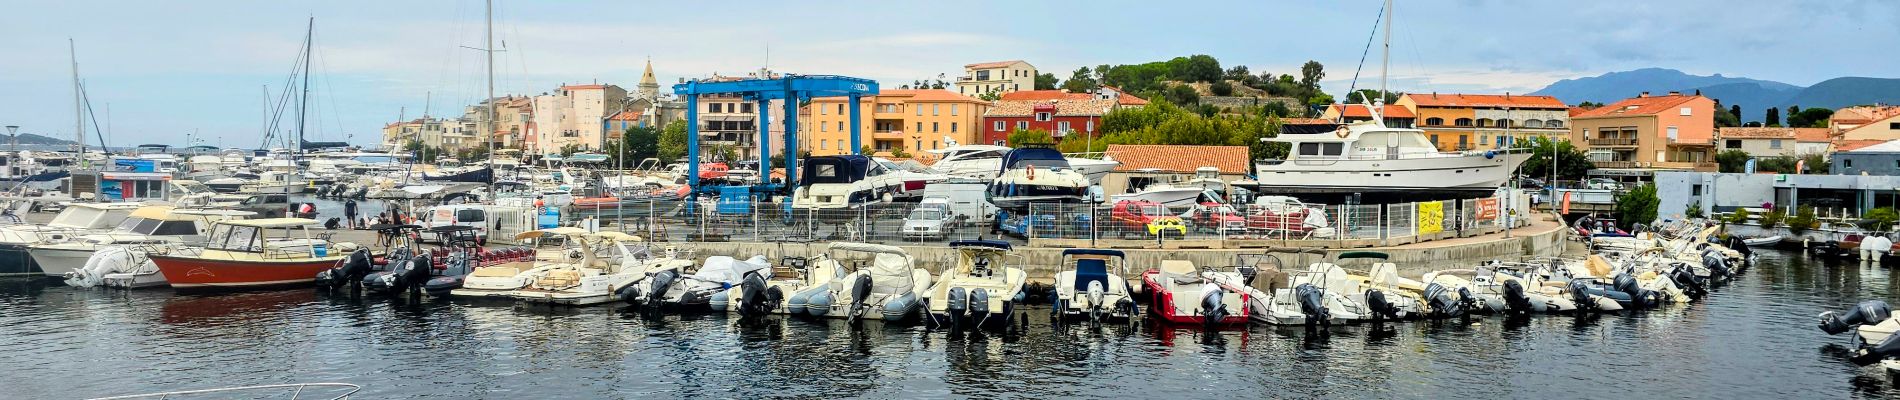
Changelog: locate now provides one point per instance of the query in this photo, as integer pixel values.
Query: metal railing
(1625, 142)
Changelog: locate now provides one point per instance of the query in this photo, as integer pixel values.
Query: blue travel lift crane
(793, 89)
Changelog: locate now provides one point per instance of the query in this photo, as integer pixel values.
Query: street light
(12, 131)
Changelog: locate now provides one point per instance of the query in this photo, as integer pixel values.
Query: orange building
(1675, 131)
(912, 119)
(1477, 121)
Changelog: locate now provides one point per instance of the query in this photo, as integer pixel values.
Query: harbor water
(1755, 338)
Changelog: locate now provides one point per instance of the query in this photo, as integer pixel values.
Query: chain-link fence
(903, 222)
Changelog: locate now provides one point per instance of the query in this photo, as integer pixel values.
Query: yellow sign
(1431, 217)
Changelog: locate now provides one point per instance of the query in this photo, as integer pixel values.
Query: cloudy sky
(168, 69)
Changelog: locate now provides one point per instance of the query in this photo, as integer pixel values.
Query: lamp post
(12, 130)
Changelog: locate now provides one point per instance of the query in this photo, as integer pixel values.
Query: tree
(1815, 117)
(1724, 119)
(1735, 110)
(1779, 164)
(1732, 160)
(1221, 88)
(1589, 105)
(1195, 68)
(1572, 162)
(1360, 96)
(672, 143)
(1802, 220)
(1880, 219)
(1773, 118)
(992, 95)
(637, 143)
(1182, 95)
(1816, 163)
(1081, 81)
(1019, 138)
(867, 150)
(1276, 109)
(1637, 205)
(1310, 74)
(1238, 73)
(1045, 81)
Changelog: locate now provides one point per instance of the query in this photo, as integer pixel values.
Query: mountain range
(35, 140)
(1753, 95)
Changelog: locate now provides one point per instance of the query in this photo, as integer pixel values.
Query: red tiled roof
(1852, 144)
(1651, 105)
(992, 64)
(583, 87)
(625, 116)
(1574, 111)
(1179, 158)
(1024, 108)
(1871, 124)
(1051, 94)
(1801, 134)
(1864, 114)
(1361, 111)
(1485, 100)
(927, 95)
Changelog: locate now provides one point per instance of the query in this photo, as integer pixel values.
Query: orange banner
(1487, 209)
(1566, 203)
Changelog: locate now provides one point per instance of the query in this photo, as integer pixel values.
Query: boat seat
(495, 272)
(560, 279)
(1090, 270)
(1180, 272)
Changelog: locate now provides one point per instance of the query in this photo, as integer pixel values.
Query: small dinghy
(1764, 241)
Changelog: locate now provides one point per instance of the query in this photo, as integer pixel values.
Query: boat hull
(59, 262)
(191, 272)
(16, 261)
(1467, 173)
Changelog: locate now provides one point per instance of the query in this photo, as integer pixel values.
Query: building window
(935, 109)
(920, 111)
(745, 108)
(1732, 144)
(1434, 139)
(1042, 117)
(1893, 125)
(1462, 122)
(1062, 126)
(933, 127)
(821, 143)
(841, 126)
(998, 126)
(824, 128)
(1504, 123)
(1554, 124)
(933, 145)
(1022, 125)
(1672, 134)
(1849, 162)
(920, 126)
(953, 125)
(1434, 121)
(953, 109)
(1685, 111)
(1774, 143)
(1534, 123)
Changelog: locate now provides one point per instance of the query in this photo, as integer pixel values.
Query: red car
(1217, 217)
(1281, 215)
(1146, 216)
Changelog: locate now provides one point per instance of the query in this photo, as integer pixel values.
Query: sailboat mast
(79, 111)
(303, 101)
(1385, 58)
(489, 140)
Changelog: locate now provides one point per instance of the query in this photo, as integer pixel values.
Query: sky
(169, 71)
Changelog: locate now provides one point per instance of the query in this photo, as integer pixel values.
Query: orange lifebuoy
(1032, 172)
(1342, 132)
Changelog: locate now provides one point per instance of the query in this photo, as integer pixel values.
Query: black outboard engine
(1639, 297)
(1580, 294)
(979, 306)
(859, 290)
(1381, 309)
(1887, 348)
(1515, 298)
(754, 300)
(630, 294)
(1212, 311)
(1867, 312)
(1443, 306)
(416, 272)
(1312, 304)
(656, 291)
(1684, 278)
(959, 301)
(1717, 265)
(1469, 301)
(352, 270)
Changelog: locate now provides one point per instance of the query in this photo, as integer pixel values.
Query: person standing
(349, 212)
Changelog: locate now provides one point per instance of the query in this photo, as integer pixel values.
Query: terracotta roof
(583, 87)
(1361, 111)
(1083, 107)
(1852, 144)
(1574, 111)
(1179, 158)
(992, 64)
(1651, 105)
(920, 95)
(1801, 134)
(1888, 146)
(1485, 100)
(1051, 94)
(1306, 121)
(625, 116)
(1873, 124)
(1864, 114)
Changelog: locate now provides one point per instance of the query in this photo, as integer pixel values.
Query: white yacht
(79, 219)
(970, 161)
(1036, 175)
(98, 258)
(1093, 166)
(1369, 157)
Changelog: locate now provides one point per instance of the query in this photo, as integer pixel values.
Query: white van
(470, 215)
(964, 199)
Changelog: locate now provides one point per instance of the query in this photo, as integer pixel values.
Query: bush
(1739, 216)
(1881, 219)
(1222, 88)
(1694, 211)
(1802, 220)
(1772, 218)
(1637, 205)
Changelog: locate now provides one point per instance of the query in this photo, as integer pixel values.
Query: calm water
(1753, 339)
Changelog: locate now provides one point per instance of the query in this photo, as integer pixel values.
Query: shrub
(1802, 220)
(1637, 205)
(1772, 218)
(1881, 219)
(1739, 216)
(1694, 211)
(1222, 88)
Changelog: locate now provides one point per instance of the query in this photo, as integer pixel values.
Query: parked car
(1217, 217)
(1288, 216)
(469, 215)
(928, 221)
(1146, 216)
(274, 206)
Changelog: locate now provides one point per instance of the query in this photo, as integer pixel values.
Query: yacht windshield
(77, 217)
(129, 225)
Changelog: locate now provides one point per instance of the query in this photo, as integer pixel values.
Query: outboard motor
(1469, 301)
(1515, 298)
(1096, 295)
(959, 301)
(979, 306)
(1867, 312)
(417, 272)
(1887, 348)
(1718, 265)
(1212, 311)
(860, 289)
(1580, 294)
(1312, 303)
(657, 289)
(753, 289)
(352, 270)
(1639, 297)
(1442, 304)
(1684, 278)
(1381, 309)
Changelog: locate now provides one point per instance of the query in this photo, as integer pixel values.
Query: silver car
(926, 222)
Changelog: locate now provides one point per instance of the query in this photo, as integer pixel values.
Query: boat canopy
(153, 212)
(867, 248)
(1093, 252)
(991, 244)
(1364, 254)
(835, 169)
(1036, 156)
(208, 212)
(273, 222)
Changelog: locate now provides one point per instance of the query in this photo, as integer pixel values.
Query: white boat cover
(107, 260)
(726, 269)
(891, 274)
(868, 248)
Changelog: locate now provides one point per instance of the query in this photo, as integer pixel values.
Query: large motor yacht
(1369, 157)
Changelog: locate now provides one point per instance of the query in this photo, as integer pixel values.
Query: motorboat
(889, 287)
(1181, 293)
(1310, 297)
(1170, 195)
(1762, 241)
(770, 291)
(1385, 295)
(146, 228)
(71, 222)
(230, 184)
(608, 263)
(1092, 286)
(562, 248)
(1037, 175)
(252, 253)
(1873, 325)
(974, 161)
(1092, 166)
(1367, 156)
(980, 290)
(843, 181)
(461, 255)
(671, 287)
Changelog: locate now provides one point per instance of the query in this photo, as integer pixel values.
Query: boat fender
(1443, 305)
(752, 295)
(1867, 312)
(1212, 311)
(1381, 309)
(1312, 303)
(1490, 154)
(1515, 298)
(1887, 348)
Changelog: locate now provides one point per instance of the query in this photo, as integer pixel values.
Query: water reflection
(1753, 338)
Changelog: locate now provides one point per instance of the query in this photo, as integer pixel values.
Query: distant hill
(1753, 95)
(37, 140)
(1848, 91)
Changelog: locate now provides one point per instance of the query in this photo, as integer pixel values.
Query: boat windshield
(130, 225)
(77, 217)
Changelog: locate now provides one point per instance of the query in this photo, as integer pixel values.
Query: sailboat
(1368, 156)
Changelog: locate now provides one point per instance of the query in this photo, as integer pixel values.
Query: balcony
(1616, 164)
(889, 135)
(1611, 142)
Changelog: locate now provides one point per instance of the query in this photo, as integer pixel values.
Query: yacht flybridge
(1368, 157)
